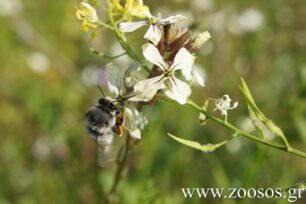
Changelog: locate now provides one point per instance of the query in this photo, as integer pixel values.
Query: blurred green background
(47, 83)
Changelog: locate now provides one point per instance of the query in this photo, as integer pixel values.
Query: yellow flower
(86, 26)
(115, 4)
(136, 8)
(87, 12)
(129, 8)
(88, 15)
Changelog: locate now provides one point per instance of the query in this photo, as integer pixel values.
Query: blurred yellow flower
(88, 15)
(129, 8)
(136, 8)
(86, 25)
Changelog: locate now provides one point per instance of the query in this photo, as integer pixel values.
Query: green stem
(246, 134)
(120, 37)
(101, 54)
(101, 24)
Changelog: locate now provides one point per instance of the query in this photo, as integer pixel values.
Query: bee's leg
(118, 129)
(121, 130)
(119, 121)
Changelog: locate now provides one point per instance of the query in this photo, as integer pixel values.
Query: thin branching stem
(121, 39)
(101, 54)
(247, 135)
(105, 25)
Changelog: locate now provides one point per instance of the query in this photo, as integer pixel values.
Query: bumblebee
(102, 121)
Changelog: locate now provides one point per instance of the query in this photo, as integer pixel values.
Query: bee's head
(107, 105)
(103, 101)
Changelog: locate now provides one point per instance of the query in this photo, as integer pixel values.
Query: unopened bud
(200, 40)
(87, 12)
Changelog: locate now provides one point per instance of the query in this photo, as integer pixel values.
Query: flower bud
(200, 40)
(86, 12)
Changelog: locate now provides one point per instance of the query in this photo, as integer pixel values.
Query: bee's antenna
(99, 87)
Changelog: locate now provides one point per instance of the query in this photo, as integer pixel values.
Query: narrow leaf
(198, 146)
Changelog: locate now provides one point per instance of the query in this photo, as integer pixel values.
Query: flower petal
(172, 19)
(152, 54)
(153, 34)
(148, 14)
(134, 122)
(183, 61)
(235, 105)
(115, 77)
(146, 89)
(224, 103)
(135, 134)
(87, 12)
(126, 27)
(131, 71)
(140, 11)
(198, 78)
(178, 90)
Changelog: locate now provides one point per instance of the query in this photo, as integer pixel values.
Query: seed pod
(179, 42)
(161, 44)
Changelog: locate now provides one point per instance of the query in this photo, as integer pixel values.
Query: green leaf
(198, 146)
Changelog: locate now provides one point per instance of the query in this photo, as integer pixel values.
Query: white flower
(223, 104)
(119, 79)
(117, 76)
(172, 86)
(134, 122)
(154, 32)
(198, 75)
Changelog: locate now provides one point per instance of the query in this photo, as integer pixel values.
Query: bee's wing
(107, 153)
(106, 156)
